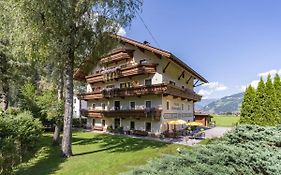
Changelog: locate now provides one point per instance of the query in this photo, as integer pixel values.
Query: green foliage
(18, 137)
(262, 106)
(28, 98)
(247, 150)
(50, 105)
(247, 105)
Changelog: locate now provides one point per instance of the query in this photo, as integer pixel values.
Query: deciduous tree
(74, 28)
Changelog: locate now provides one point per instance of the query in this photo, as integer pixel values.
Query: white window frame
(124, 83)
(102, 105)
(93, 106)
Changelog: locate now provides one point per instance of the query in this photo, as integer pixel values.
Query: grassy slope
(96, 154)
(225, 120)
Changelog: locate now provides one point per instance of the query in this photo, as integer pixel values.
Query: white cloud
(216, 86)
(271, 72)
(121, 31)
(210, 88)
(254, 84)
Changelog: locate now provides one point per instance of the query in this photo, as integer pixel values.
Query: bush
(246, 150)
(18, 136)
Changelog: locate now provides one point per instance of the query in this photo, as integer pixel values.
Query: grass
(225, 120)
(95, 154)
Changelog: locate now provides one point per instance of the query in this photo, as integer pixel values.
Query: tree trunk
(56, 135)
(68, 110)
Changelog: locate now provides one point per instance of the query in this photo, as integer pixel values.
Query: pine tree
(270, 119)
(259, 105)
(277, 87)
(248, 106)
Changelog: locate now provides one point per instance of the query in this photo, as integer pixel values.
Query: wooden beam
(195, 83)
(164, 70)
(188, 79)
(181, 75)
(199, 85)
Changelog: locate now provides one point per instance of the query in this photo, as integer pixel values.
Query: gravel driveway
(216, 132)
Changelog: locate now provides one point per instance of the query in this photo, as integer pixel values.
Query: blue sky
(228, 42)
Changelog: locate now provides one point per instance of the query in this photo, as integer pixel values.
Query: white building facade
(138, 87)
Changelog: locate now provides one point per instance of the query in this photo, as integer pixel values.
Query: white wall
(76, 106)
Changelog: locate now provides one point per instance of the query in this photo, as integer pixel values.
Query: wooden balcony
(137, 113)
(117, 73)
(117, 55)
(165, 89)
(90, 113)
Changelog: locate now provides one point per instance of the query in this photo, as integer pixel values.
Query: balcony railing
(165, 89)
(118, 72)
(118, 55)
(153, 113)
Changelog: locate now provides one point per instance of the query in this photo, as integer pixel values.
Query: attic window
(143, 61)
(172, 82)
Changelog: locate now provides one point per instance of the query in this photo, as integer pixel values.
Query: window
(123, 85)
(116, 105)
(74, 100)
(143, 61)
(103, 123)
(172, 83)
(110, 86)
(188, 107)
(132, 125)
(182, 87)
(132, 105)
(103, 106)
(168, 105)
(181, 106)
(93, 105)
(129, 84)
(147, 82)
(148, 104)
(148, 126)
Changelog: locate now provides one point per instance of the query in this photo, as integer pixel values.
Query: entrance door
(94, 122)
(116, 105)
(117, 123)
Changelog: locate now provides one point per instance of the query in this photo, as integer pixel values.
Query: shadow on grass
(45, 161)
(113, 143)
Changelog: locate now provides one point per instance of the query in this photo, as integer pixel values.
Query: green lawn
(95, 154)
(225, 120)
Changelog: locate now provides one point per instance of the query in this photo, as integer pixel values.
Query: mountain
(226, 104)
(204, 102)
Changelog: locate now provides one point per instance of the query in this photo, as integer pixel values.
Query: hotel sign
(168, 116)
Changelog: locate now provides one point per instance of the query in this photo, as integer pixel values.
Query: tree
(277, 87)
(259, 111)
(248, 105)
(53, 108)
(81, 29)
(270, 119)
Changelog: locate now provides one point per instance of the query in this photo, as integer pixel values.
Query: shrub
(246, 150)
(18, 136)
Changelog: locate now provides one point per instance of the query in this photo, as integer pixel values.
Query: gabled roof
(154, 50)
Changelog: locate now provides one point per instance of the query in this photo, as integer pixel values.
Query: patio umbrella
(194, 124)
(177, 122)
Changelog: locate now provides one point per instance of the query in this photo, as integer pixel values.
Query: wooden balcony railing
(117, 73)
(136, 113)
(117, 55)
(165, 89)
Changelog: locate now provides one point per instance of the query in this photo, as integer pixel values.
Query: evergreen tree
(248, 105)
(270, 119)
(259, 104)
(277, 87)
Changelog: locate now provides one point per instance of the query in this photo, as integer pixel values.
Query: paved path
(216, 132)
